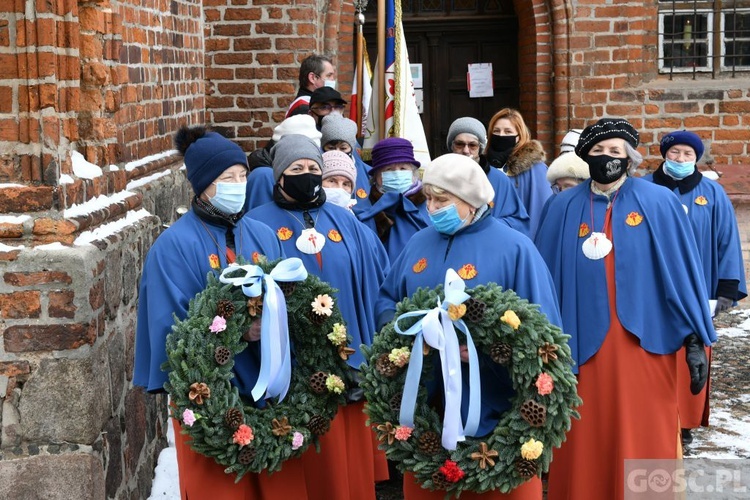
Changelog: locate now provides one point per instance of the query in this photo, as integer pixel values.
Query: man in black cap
(325, 101)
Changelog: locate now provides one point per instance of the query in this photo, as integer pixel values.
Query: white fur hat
(297, 124)
(567, 165)
(460, 176)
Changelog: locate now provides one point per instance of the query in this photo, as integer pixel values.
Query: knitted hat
(297, 124)
(337, 128)
(606, 128)
(682, 137)
(569, 142)
(339, 163)
(207, 155)
(326, 94)
(467, 125)
(290, 148)
(567, 165)
(460, 176)
(392, 150)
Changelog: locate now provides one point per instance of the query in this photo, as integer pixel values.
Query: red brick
(16, 305)
(60, 337)
(54, 226)
(8, 66)
(96, 295)
(4, 33)
(11, 230)
(61, 304)
(243, 14)
(14, 368)
(37, 278)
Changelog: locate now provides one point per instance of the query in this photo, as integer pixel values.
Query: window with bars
(704, 37)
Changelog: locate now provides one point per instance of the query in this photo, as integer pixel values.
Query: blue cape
(661, 293)
(715, 229)
(407, 217)
(356, 264)
(533, 189)
(259, 187)
(174, 272)
(362, 186)
(506, 205)
(515, 265)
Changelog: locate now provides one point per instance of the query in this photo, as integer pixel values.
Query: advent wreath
(241, 435)
(511, 332)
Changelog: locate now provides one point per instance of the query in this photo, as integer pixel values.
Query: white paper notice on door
(479, 80)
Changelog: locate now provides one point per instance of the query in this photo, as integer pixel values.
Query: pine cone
(474, 310)
(526, 468)
(395, 402)
(430, 443)
(501, 353)
(318, 382)
(225, 308)
(317, 319)
(247, 455)
(319, 425)
(534, 413)
(439, 481)
(233, 418)
(288, 287)
(385, 366)
(222, 355)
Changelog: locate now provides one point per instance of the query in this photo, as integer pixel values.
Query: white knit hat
(298, 124)
(460, 176)
(567, 165)
(569, 142)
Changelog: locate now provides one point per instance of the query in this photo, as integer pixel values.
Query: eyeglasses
(328, 107)
(473, 146)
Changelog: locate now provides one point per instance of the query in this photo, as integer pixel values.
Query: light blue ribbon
(275, 362)
(436, 328)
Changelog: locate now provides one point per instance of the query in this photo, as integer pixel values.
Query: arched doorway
(445, 36)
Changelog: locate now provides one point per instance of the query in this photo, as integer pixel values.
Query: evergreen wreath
(513, 333)
(235, 432)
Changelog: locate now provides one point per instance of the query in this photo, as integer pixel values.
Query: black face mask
(606, 169)
(303, 187)
(501, 146)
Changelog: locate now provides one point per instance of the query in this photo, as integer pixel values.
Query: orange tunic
(530, 490)
(629, 411)
(694, 408)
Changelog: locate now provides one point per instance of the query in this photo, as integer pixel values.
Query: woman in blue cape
(631, 292)
(204, 240)
(340, 134)
(467, 136)
(395, 208)
(458, 195)
(714, 225)
(338, 249)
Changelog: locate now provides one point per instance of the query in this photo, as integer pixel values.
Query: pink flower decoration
(403, 433)
(243, 436)
(544, 384)
(219, 325)
(188, 418)
(297, 440)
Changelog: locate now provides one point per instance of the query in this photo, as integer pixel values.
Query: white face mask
(338, 196)
(330, 83)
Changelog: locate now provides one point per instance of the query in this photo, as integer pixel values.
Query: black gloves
(723, 303)
(695, 355)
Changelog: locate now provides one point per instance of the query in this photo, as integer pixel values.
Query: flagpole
(360, 69)
(381, 68)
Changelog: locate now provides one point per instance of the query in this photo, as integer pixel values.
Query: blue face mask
(229, 197)
(679, 170)
(398, 180)
(446, 220)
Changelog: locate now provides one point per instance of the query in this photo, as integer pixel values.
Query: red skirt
(694, 408)
(530, 490)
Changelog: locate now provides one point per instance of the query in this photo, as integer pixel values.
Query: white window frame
(724, 67)
(664, 68)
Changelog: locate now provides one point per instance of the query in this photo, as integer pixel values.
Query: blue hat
(207, 156)
(682, 137)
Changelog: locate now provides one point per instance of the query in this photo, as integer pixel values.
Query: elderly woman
(339, 178)
(340, 134)
(714, 225)
(395, 209)
(338, 249)
(628, 276)
(568, 170)
(511, 148)
(467, 136)
(458, 195)
(207, 238)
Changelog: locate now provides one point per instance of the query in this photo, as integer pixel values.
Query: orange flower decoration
(257, 256)
(334, 235)
(456, 312)
(199, 391)
(420, 265)
(361, 193)
(467, 272)
(491, 205)
(284, 233)
(213, 260)
(633, 219)
(701, 200)
(583, 230)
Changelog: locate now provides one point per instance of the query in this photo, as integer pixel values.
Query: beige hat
(461, 176)
(567, 165)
